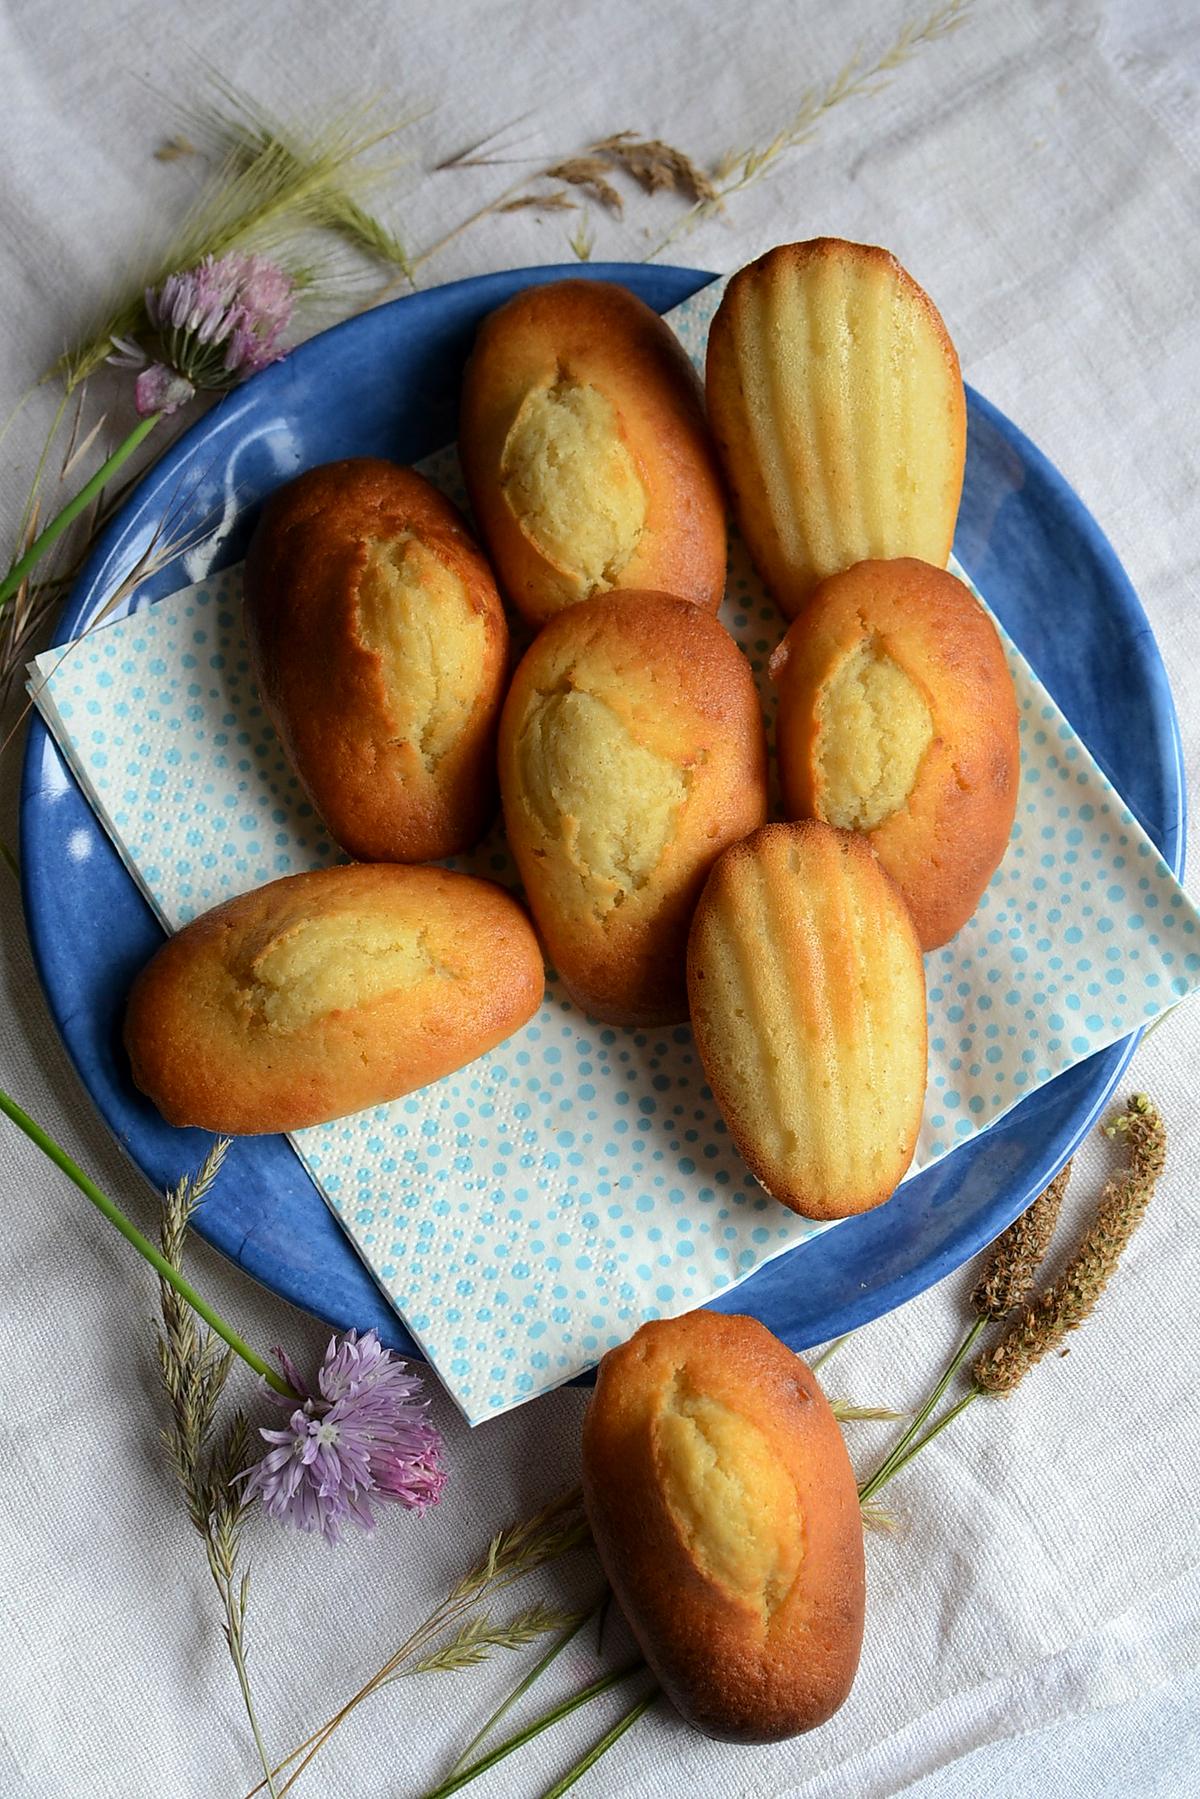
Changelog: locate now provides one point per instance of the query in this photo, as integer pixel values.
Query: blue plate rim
(116, 550)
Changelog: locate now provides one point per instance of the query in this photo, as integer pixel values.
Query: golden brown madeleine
(724, 1510)
(631, 752)
(586, 454)
(326, 993)
(380, 647)
(837, 404)
(898, 718)
(807, 995)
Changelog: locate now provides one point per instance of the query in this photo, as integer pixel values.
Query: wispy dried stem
(846, 1412)
(23, 620)
(173, 149)
(474, 1640)
(654, 165)
(858, 78)
(25, 614)
(556, 202)
(513, 1553)
(194, 1366)
(659, 167)
(877, 1517)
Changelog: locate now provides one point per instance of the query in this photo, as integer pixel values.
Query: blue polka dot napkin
(530, 1211)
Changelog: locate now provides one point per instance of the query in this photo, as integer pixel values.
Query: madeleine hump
(725, 1512)
(325, 993)
(586, 453)
(631, 752)
(838, 409)
(380, 648)
(807, 995)
(898, 718)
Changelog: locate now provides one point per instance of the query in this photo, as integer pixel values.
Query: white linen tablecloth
(1038, 1616)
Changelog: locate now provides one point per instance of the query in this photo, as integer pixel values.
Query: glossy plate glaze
(386, 384)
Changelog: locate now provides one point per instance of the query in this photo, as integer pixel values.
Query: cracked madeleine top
(324, 993)
(898, 718)
(725, 1513)
(380, 648)
(631, 753)
(586, 453)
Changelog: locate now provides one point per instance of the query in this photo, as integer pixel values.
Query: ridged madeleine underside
(837, 404)
(807, 998)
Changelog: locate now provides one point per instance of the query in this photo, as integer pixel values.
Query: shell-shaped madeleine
(631, 752)
(724, 1510)
(836, 401)
(807, 997)
(328, 992)
(898, 718)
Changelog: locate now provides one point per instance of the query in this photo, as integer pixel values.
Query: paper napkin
(530, 1211)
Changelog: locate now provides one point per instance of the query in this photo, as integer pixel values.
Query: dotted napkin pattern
(532, 1210)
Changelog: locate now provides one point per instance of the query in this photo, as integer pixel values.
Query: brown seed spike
(1040, 1330)
(1019, 1252)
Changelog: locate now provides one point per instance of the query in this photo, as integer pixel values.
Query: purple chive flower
(364, 1435)
(216, 324)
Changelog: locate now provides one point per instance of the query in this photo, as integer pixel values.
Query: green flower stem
(598, 1749)
(522, 1687)
(898, 1455)
(533, 1730)
(143, 1245)
(818, 1361)
(913, 1449)
(71, 511)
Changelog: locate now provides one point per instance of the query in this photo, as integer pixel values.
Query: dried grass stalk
(1019, 1253)
(856, 79)
(877, 1517)
(591, 174)
(474, 1641)
(655, 166)
(556, 202)
(1042, 1327)
(552, 1532)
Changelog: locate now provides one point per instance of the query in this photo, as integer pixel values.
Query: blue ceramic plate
(386, 384)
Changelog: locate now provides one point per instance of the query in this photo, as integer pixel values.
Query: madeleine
(325, 993)
(838, 409)
(380, 648)
(631, 752)
(898, 718)
(586, 453)
(725, 1513)
(807, 996)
